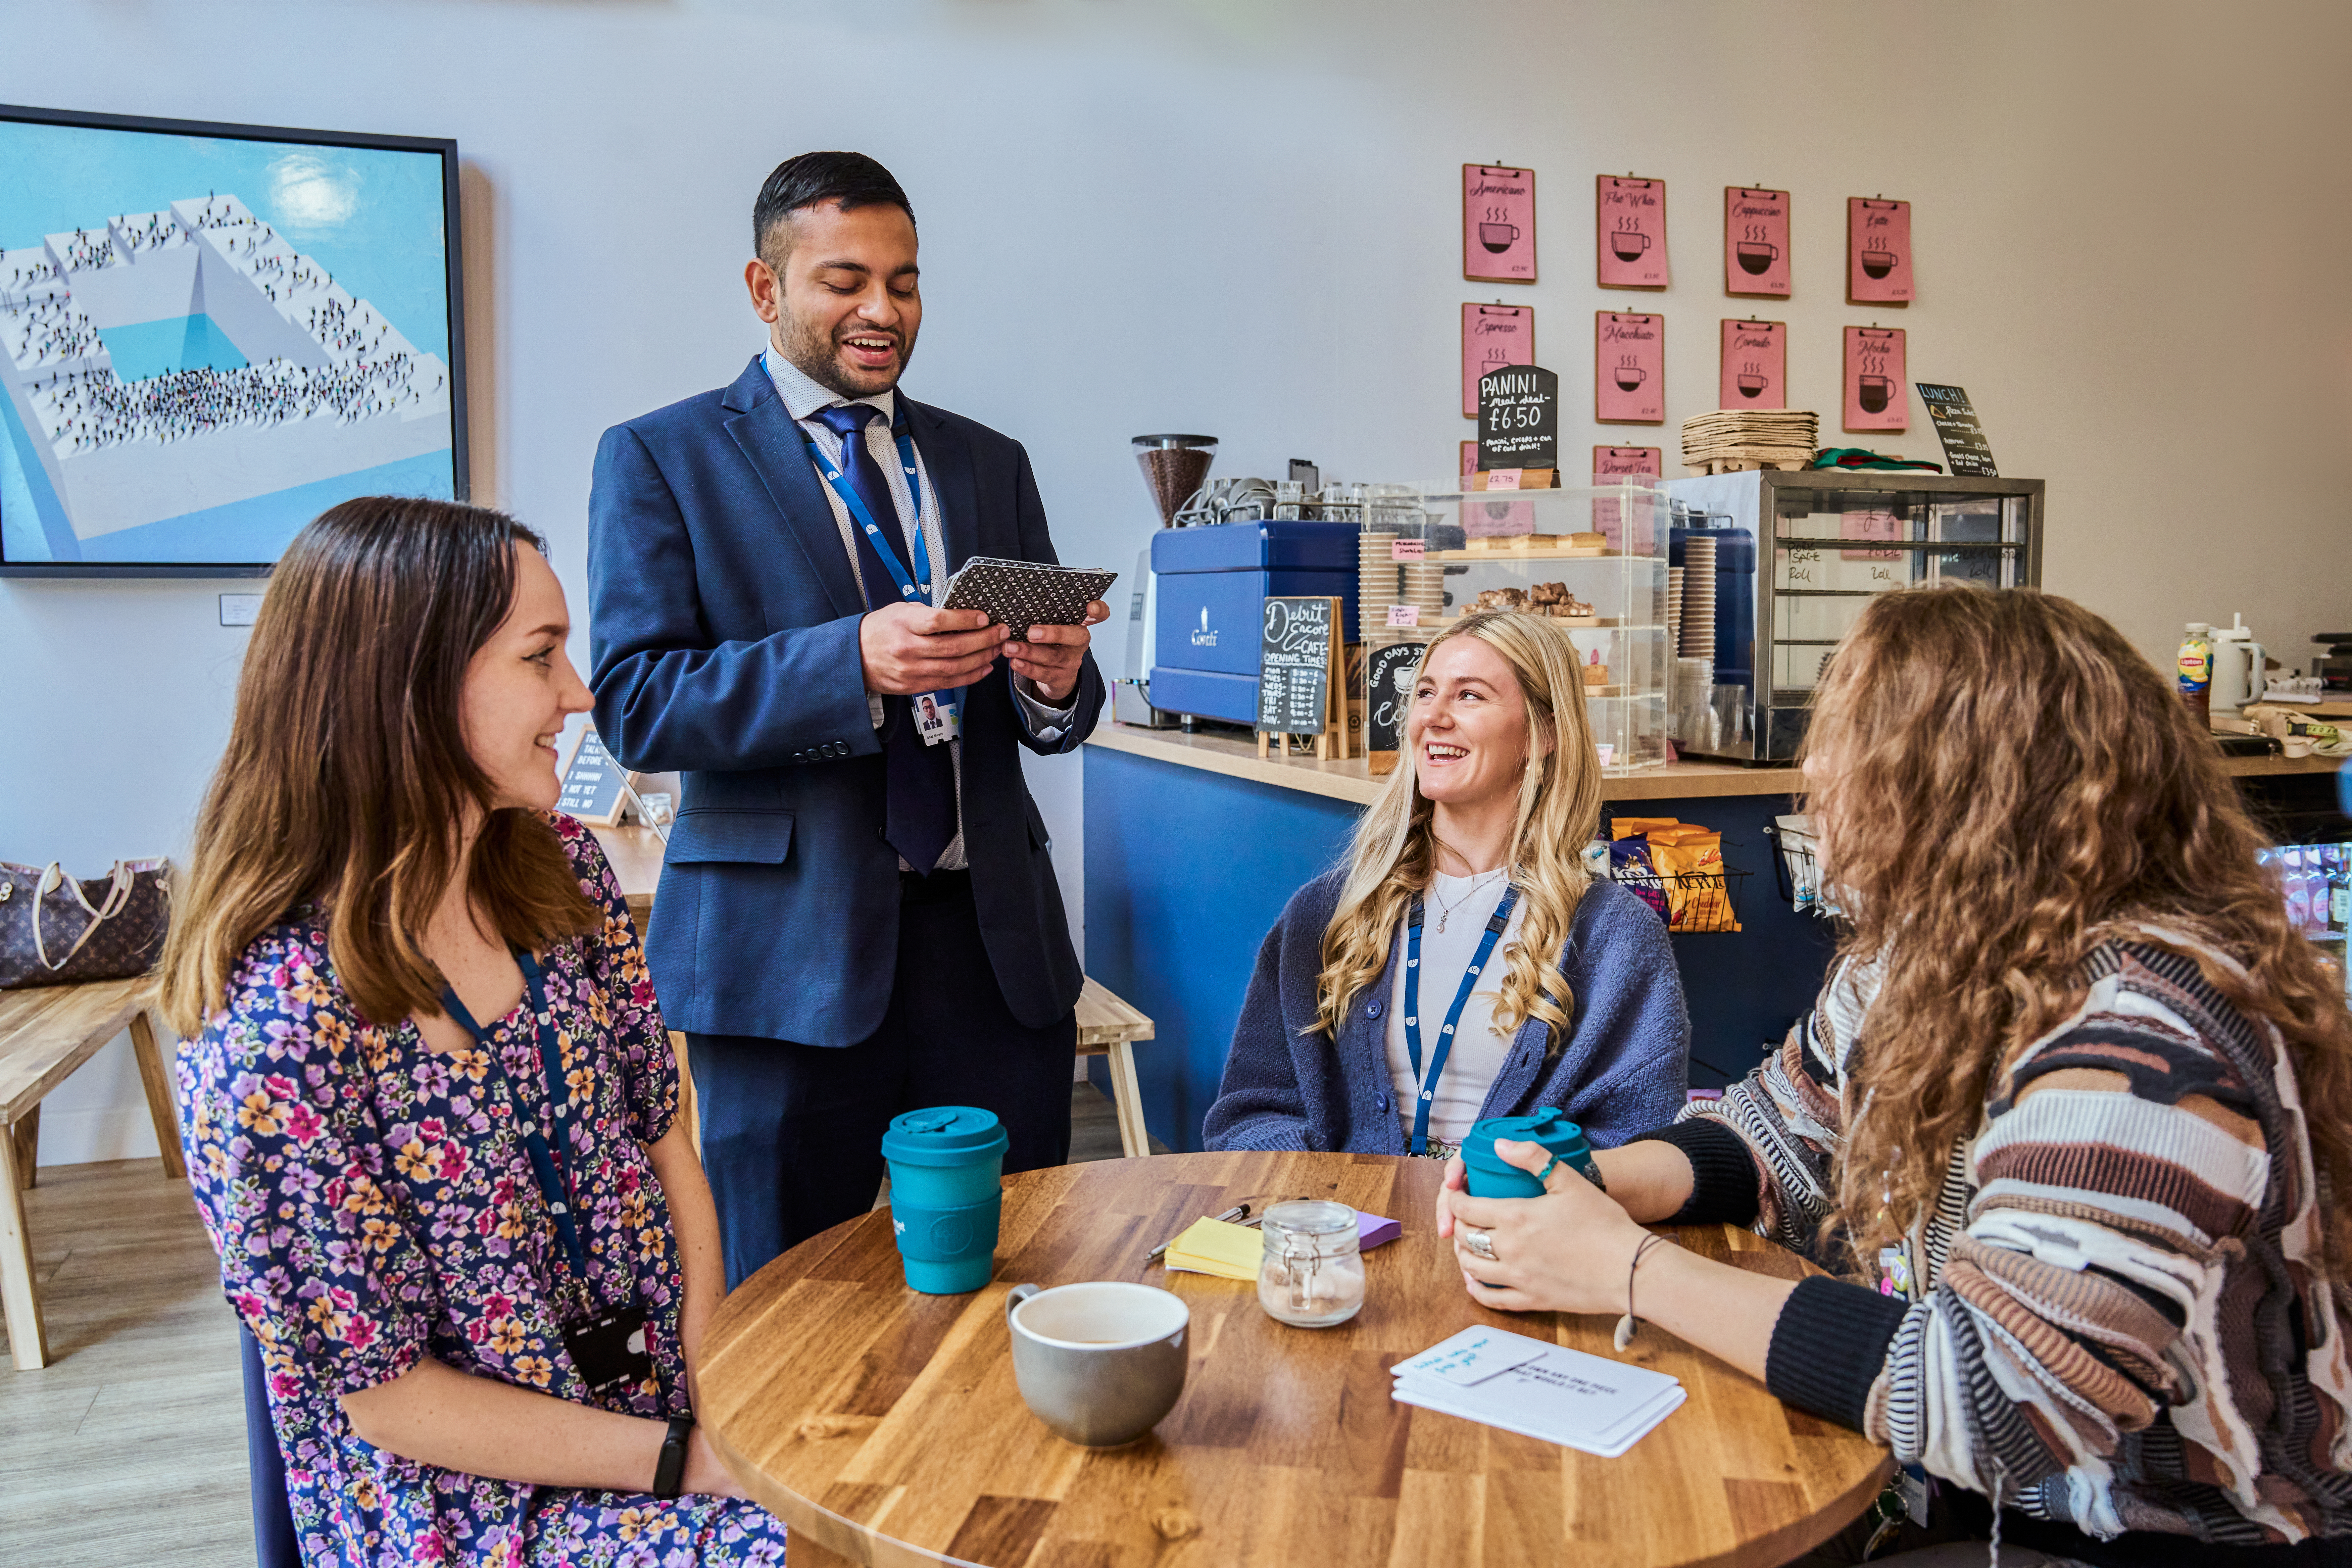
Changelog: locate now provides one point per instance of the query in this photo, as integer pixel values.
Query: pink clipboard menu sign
(1877, 251)
(1492, 337)
(1632, 225)
(1755, 243)
(1754, 366)
(1499, 223)
(1609, 465)
(1877, 382)
(1629, 368)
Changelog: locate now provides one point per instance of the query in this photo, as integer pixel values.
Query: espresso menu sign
(1966, 450)
(1492, 337)
(1388, 677)
(1294, 662)
(1519, 418)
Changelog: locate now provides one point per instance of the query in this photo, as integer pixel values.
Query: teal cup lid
(945, 1135)
(1549, 1127)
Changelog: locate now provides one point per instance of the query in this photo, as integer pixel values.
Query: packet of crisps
(1688, 859)
(1630, 868)
(1627, 827)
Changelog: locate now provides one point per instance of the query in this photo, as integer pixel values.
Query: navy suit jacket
(723, 640)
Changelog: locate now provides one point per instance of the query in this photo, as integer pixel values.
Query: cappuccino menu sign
(1499, 223)
(1492, 337)
(1877, 251)
(1877, 387)
(1629, 368)
(1631, 226)
(1754, 366)
(1755, 243)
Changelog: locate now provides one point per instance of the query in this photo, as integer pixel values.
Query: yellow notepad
(1215, 1246)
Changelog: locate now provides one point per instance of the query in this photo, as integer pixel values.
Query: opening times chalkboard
(1294, 662)
(1966, 450)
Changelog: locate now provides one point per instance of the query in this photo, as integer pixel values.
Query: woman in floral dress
(478, 1259)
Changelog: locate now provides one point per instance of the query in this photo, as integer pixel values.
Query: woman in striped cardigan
(2067, 1118)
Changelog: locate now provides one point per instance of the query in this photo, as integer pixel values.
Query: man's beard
(815, 355)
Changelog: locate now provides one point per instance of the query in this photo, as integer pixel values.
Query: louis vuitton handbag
(56, 931)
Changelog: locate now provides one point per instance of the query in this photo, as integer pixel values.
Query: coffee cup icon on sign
(1752, 385)
(1873, 393)
(1498, 238)
(1629, 377)
(1878, 263)
(1629, 244)
(1756, 259)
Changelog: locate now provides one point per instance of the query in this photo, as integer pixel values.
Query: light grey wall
(1240, 216)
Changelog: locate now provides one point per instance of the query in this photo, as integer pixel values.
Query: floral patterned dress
(373, 1203)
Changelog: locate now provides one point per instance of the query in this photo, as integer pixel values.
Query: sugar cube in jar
(1311, 1273)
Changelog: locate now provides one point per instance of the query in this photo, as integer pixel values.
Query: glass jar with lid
(1311, 1274)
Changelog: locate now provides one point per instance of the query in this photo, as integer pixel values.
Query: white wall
(1240, 216)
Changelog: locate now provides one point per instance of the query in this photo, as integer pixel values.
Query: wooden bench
(46, 1033)
(1108, 1027)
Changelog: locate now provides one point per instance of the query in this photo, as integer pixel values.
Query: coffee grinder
(1174, 468)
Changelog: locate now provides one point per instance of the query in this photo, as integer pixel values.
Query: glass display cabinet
(1594, 559)
(1768, 570)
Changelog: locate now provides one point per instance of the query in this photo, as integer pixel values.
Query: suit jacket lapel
(764, 431)
(948, 462)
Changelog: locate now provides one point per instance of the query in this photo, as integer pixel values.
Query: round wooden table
(885, 1429)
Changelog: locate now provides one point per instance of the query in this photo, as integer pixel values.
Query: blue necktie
(919, 808)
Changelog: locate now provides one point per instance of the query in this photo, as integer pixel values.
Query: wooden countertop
(1352, 781)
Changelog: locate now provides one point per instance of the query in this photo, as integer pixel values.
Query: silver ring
(1480, 1243)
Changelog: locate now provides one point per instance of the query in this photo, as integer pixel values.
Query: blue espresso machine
(1210, 585)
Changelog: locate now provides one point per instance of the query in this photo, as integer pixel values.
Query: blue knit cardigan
(1624, 1069)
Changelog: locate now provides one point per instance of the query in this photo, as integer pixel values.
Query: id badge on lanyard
(606, 1344)
(937, 715)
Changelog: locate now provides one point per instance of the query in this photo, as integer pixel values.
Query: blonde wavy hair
(1395, 853)
(2007, 785)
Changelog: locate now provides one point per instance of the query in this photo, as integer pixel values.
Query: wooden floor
(129, 1448)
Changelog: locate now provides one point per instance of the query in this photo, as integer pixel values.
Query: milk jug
(2238, 661)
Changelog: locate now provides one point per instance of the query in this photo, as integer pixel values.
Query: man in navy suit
(857, 913)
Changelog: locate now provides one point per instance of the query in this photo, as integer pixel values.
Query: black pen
(1239, 1211)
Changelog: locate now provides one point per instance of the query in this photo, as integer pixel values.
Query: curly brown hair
(2003, 783)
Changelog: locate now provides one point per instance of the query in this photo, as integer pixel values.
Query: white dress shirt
(803, 399)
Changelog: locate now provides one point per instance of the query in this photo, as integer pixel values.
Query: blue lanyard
(918, 586)
(552, 1186)
(1494, 926)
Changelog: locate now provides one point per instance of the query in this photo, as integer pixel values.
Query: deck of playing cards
(1579, 1401)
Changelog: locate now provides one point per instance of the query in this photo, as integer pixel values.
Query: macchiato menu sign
(1629, 368)
(1877, 387)
(1492, 337)
(1499, 223)
(1632, 225)
(1966, 450)
(1754, 365)
(1519, 418)
(1877, 251)
(1755, 243)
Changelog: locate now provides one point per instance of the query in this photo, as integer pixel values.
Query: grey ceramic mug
(1099, 1362)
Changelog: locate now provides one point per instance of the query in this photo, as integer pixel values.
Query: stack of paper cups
(1425, 590)
(1379, 582)
(1695, 638)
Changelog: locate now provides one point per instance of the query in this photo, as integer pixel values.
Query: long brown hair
(1394, 851)
(2003, 783)
(347, 779)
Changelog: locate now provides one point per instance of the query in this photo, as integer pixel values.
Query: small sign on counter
(596, 787)
(1519, 420)
(1299, 682)
(1966, 450)
(1389, 677)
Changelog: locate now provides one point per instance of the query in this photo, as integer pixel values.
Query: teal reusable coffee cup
(1490, 1177)
(947, 1167)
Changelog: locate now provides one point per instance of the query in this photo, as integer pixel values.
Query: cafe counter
(1193, 843)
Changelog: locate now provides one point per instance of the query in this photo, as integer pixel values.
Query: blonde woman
(1472, 859)
(2073, 1114)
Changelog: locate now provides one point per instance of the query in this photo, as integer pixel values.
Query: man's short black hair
(853, 179)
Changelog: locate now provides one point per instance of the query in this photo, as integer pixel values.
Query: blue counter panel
(1187, 870)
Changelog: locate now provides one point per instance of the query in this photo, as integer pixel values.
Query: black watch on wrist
(669, 1474)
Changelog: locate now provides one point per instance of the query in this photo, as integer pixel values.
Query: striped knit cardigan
(2114, 1319)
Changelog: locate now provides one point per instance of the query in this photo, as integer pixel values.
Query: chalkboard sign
(1966, 450)
(1388, 692)
(594, 787)
(1294, 663)
(1519, 418)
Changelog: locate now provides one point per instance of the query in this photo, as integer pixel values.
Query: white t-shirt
(1479, 1050)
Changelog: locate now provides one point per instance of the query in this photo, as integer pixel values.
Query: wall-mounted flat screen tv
(211, 333)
